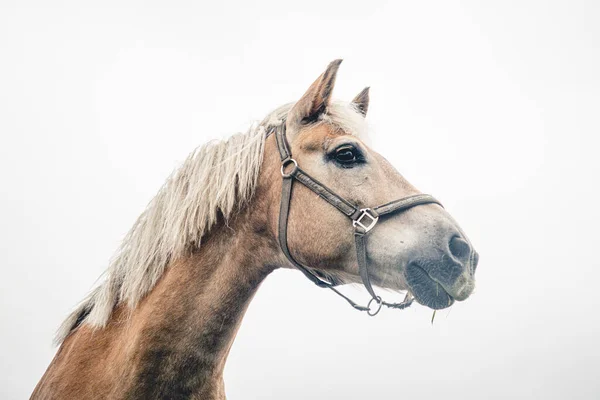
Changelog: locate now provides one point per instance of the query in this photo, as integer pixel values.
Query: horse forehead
(315, 138)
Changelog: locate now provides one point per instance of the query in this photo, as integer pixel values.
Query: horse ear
(316, 99)
(361, 101)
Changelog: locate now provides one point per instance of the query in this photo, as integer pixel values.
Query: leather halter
(363, 220)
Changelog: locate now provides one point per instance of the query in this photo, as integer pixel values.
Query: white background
(492, 107)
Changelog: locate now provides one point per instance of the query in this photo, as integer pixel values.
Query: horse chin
(425, 290)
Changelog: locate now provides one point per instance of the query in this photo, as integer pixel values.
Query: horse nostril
(460, 249)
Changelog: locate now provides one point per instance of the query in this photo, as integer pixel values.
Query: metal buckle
(285, 164)
(365, 212)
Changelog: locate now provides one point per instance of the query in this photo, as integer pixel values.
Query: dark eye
(347, 156)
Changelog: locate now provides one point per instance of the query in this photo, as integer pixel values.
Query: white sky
(490, 106)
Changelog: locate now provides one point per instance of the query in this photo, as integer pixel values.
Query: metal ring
(379, 302)
(285, 164)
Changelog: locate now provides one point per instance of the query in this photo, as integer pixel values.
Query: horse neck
(174, 344)
(185, 328)
(187, 325)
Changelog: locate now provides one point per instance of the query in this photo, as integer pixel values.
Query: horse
(300, 189)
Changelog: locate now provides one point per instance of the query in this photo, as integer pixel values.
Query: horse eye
(347, 155)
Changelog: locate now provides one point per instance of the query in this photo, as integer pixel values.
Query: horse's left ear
(316, 99)
(361, 101)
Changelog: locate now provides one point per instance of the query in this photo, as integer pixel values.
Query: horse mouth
(425, 289)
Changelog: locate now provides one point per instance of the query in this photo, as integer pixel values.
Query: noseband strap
(363, 220)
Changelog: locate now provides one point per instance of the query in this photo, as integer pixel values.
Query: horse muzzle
(437, 282)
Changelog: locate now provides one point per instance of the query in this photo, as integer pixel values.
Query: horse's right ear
(316, 99)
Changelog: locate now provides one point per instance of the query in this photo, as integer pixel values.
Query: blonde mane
(217, 178)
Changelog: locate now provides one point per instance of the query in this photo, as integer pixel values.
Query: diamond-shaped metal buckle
(365, 212)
